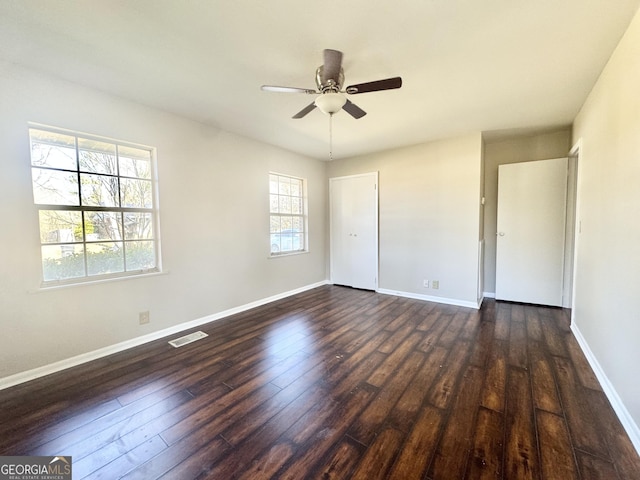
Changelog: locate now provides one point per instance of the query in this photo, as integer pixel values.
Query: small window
(96, 206)
(288, 214)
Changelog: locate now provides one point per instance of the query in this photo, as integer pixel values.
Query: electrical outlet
(425, 283)
(435, 284)
(144, 317)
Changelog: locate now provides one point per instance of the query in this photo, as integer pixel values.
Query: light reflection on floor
(288, 337)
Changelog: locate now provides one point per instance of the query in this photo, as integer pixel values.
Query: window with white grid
(287, 214)
(96, 206)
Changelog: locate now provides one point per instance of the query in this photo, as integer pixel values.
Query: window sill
(288, 254)
(51, 286)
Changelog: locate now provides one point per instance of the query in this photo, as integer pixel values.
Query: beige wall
(514, 149)
(607, 282)
(429, 204)
(429, 221)
(213, 214)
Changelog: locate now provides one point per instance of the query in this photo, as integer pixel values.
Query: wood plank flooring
(335, 383)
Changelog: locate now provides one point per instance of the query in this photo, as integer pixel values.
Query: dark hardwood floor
(335, 383)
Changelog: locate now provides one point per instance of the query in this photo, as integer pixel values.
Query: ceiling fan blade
(332, 65)
(305, 110)
(353, 110)
(386, 84)
(275, 88)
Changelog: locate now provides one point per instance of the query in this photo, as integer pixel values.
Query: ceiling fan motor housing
(330, 84)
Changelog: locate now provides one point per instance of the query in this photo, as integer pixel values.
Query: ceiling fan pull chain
(331, 137)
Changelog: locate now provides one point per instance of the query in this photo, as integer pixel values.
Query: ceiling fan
(329, 82)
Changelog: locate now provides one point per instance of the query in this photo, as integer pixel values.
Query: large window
(287, 201)
(96, 206)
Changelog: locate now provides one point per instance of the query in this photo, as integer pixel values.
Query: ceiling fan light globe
(330, 103)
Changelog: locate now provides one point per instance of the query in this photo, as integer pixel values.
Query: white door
(531, 230)
(354, 230)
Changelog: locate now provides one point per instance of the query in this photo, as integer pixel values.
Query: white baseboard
(623, 414)
(430, 298)
(489, 294)
(35, 373)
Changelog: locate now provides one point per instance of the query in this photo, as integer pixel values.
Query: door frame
(574, 225)
(375, 176)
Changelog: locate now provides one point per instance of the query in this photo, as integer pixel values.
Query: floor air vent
(192, 337)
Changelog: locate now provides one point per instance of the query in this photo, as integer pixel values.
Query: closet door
(531, 228)
(354, 230)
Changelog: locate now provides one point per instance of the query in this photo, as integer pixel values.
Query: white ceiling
(467, 65)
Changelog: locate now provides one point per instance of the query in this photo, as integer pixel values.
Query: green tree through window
(96, 206)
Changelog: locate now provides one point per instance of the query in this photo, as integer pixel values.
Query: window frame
(82, 208)
(304, 216)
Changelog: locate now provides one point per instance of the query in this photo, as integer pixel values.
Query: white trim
(576, 148)
(576, 151)
(430, 298)
(489, 294)
(621, 411)
(480, 301)
(38, 372)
